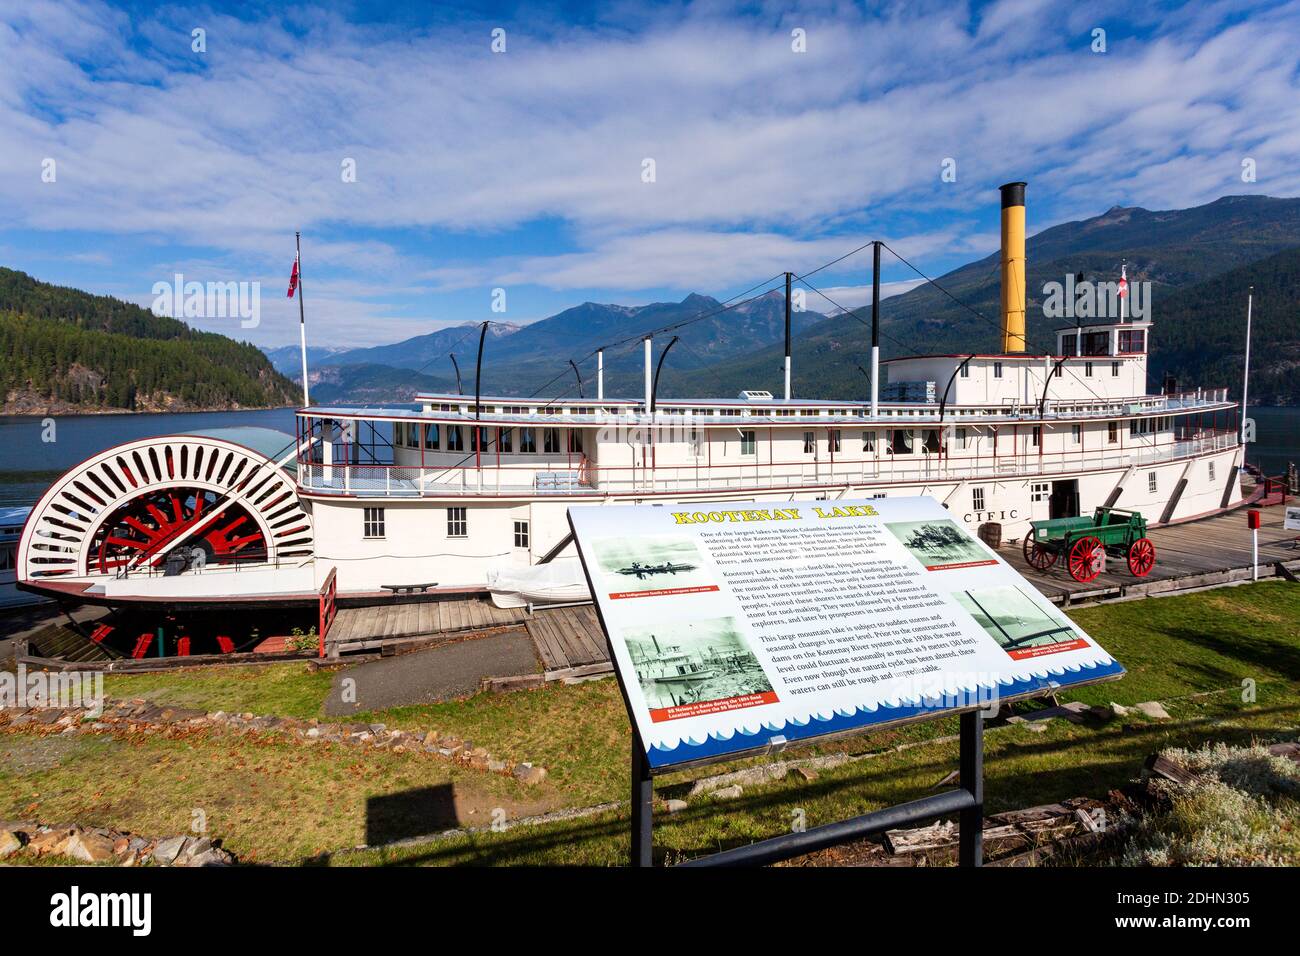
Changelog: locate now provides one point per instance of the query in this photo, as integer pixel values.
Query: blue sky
(523, 169)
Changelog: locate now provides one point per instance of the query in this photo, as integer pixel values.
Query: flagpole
(302, 320)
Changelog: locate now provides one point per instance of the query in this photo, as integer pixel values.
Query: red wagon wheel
(1141, 557)
(1082, 566)
(1037, 556)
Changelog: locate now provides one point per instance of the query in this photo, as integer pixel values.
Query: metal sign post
(966, 802)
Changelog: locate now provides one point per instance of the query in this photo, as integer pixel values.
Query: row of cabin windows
(1131, 341)
(507, 440)
(903, 441)
(373, 525)
(1087, 369)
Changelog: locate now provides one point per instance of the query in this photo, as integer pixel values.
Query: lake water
(28, 465)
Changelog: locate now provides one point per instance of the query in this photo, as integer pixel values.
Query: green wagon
(1122, 533)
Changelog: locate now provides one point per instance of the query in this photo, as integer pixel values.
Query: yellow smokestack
(1013, 267)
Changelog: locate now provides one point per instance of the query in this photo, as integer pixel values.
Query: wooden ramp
(387, 625)
(1200, 553)
(568, 637)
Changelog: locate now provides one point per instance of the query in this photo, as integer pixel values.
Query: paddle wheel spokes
(143, 531)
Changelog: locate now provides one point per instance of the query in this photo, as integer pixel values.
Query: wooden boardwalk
(566, 637)
(1198, 553)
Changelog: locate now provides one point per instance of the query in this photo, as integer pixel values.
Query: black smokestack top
(1013, 194)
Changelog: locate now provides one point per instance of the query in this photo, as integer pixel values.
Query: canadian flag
(293, 278)
(1123, 280)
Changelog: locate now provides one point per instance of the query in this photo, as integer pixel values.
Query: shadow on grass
(408, 814)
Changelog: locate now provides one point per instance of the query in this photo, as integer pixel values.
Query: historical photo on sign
(655, 565)
(940, 545)
(1022, 626)
(691, 668)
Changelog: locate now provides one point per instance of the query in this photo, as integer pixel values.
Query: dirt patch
(26, 754)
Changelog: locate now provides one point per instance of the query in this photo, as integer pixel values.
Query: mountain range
(1198, 261)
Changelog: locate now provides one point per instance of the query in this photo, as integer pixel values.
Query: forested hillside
(67, 350)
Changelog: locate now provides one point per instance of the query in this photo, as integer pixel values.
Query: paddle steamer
(464, 493)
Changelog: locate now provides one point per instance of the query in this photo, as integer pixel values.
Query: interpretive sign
(1291, 519)
(737, 627)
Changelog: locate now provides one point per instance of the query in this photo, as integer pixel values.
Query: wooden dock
(568, 639)
(1194, 554)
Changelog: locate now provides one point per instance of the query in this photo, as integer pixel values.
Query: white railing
(392, 481)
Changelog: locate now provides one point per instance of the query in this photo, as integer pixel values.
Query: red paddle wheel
(141, 532)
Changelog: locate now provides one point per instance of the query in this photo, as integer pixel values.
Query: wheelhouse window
(521, 534)
(551, 441)
(457, 523)
(527, 441)
(431, 436)
(900, 441)
(1132, 340)
(1069, 344)
(1096, 343)
(455, 440)
(748, 446)
(372, 522)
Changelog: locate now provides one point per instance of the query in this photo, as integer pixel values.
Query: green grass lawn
(1191, 652)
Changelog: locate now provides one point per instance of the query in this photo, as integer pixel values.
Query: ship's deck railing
(396, 481)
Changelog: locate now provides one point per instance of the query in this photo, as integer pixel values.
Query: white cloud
(765, 159)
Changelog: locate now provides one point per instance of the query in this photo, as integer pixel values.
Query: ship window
(457, 523)
(1211, 464)
(834, 439)
(478, 437)
(697, 442)
(8, 552)
(372, 522)
(1069, 344)
(1114, 369)
(997, 369)
(1087, 369)
(551, 441)
(455, 441)
(1112, 432)
(1076, 433)
(575, 441)
(965, 370)
(930, 440)
(900, 441)
(881, 494)
(506, 439)
(961, 438)
(1151, 482)
(1096, 343)
(1132, 340)
(527, 441)
(521, 534)
(809, 443)
(1056, 372)
(747, 444)
(1036, 436)
(869, 442)
(977, 498)
(1040, 491)
(430, 436)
